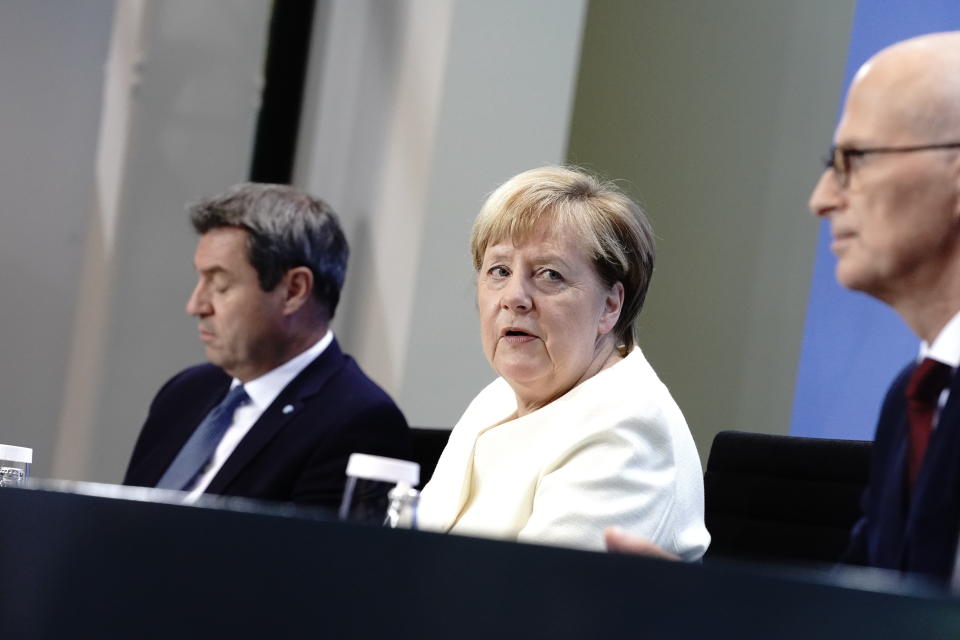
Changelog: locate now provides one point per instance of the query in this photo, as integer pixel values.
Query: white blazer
(614, 450)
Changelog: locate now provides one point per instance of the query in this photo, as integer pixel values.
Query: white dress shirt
(945, 348)
(262, 391)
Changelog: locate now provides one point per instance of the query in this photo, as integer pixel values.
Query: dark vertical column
(288, 50)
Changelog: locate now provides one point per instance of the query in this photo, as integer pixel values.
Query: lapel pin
(287, 409)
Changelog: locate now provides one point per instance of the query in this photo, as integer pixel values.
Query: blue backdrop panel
(852, 345)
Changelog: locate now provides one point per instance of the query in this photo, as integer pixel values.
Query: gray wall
(412, 118)
(715, 115)
(52, 55)
(182, 91)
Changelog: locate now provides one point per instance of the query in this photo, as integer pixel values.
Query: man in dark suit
(891, 193)
(279, 409)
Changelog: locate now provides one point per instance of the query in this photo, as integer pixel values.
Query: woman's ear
(612, 306)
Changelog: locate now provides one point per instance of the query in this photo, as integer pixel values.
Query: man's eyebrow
(212, 271)
(851, 143)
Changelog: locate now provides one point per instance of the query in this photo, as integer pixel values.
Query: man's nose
(197, 303)
(826, 196)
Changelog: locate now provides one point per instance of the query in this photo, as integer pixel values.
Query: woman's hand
(619, 541)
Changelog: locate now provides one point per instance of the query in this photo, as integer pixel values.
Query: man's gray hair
(286, 228)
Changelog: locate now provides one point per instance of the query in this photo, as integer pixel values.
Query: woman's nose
(516, 294)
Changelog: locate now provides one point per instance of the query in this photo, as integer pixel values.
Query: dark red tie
(923, 392)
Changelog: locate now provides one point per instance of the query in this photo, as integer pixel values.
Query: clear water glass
(14, 465)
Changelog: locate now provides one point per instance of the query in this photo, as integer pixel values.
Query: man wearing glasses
(891, 193)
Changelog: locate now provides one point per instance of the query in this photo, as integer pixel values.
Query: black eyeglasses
(839, 158)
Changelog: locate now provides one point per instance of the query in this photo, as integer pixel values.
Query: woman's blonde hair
(614, 230)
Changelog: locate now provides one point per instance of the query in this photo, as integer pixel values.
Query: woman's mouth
(517, 336)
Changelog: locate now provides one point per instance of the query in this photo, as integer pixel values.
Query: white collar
(265, 389)
(946, 346)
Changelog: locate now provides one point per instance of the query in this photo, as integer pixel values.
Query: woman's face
(545, 315)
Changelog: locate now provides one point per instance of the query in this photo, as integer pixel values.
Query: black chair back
(428, 444)
(783, 498)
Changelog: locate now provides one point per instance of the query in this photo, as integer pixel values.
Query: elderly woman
(577, 433)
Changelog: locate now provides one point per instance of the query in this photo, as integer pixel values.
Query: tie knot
(236, 397)
(928, 380)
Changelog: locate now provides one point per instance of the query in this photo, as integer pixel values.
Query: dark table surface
(88, 566)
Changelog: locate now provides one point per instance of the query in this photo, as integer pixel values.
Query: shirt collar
(265, 389)
(946, 346)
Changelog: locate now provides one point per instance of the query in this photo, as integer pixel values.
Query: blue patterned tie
(198, 450)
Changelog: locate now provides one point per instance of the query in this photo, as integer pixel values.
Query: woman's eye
(551, 274)
(498, 271)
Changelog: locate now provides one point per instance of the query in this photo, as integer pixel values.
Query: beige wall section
(180, 102)
(51, 67)
(417, 109)
(367, 141)
(715, 114)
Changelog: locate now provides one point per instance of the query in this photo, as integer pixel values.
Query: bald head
(892, 196)
(914, 87)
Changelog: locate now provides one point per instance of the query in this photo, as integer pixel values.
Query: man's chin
(214, 356)
(854, 279)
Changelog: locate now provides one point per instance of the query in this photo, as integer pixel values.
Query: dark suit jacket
(917, 534)
(298, 456)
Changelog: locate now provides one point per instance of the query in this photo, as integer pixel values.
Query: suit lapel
(295, 395)
(451, 493)
(177, 432)
(887, 477)
(930, 535)
(919, 532)
(940, 463)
